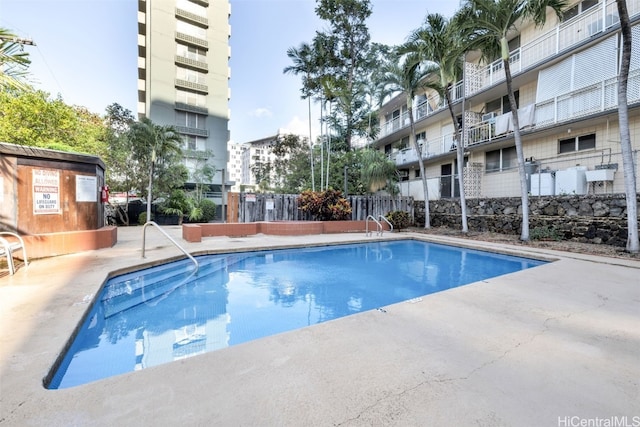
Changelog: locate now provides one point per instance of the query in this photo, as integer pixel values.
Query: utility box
(543, 184)
(572, 181)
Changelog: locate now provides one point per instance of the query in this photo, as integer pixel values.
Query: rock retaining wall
(599, 219)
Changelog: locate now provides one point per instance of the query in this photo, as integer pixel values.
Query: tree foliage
(438, 41)
(328, 205)
(378, 172)
(407, 74)
(156, 150)
(14, 62)
(486, 25)
(31, 118)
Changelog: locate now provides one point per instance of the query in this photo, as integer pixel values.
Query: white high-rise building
(183, 75)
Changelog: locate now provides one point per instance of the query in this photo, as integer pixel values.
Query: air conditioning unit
(489, 117)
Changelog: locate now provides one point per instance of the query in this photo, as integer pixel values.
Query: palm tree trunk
(313, 178)
(524, 235)
(423, 176)
(459, 161)
(633, 244)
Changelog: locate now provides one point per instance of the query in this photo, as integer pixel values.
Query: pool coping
(46, 307)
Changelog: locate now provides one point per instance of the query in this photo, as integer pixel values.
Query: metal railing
(176, 244)
(378, 226)
(560, 39)
(382, 217)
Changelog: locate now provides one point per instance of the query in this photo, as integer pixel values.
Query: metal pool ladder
(184, 251)
(379, 229)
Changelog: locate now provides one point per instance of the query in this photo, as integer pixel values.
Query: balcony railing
(194, 63)
(193, 40)
(584, 102)
(561, 39)
(191, 108)
(192, 17)
(185, 84)
(192, 131)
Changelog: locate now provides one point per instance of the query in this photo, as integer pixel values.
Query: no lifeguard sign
(46, 192)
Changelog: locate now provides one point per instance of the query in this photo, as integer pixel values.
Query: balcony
(186, 130)
(204, 3)
(578, 104)
(191, 108)
(192, 63)
(198, 87)
(192, 40)
(192, 17)
(561, 39)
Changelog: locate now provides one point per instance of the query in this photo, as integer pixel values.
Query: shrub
(328, 205)
(207, 209)
(399, 219)
(142, 218)
(545, 232)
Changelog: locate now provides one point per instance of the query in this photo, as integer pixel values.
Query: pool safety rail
(379, 228)
(184, 251)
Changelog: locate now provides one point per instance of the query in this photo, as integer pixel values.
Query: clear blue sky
(86, 51)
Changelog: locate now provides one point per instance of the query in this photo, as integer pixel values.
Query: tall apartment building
(183, 75)
(234, 165)
(258, 163)
(565, 80)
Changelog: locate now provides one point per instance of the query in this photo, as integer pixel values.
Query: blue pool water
(166, 313)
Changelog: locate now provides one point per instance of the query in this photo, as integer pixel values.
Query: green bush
(208, 209)
(545, 232)
(328, 205)
(142, 218)
(399, 219)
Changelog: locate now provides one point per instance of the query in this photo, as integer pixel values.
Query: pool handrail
(378, 226)
(382, 217)
(177, 245)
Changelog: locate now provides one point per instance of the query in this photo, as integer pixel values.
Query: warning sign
(46, 192)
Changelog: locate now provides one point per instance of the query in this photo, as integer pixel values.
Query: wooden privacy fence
(249, 207)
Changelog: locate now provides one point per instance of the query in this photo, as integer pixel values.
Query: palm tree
(633, 244)
(13, 62)
(488, 24)
(154, 145)
(303, 62)
(377, 171)
(408, 76)
(439, 42)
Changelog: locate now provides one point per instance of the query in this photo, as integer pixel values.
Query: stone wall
(599, 219)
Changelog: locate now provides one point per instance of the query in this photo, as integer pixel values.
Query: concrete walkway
(550, 346)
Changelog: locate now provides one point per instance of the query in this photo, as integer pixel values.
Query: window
(191, 30)
(191, 120)
(191, 75)
(191, 52)
(191, 98)
(499, 160)
(193, 143)
(501, 105)
(579, 8)
(191, 7)
(578, 143)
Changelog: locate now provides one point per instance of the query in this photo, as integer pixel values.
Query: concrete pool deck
(550, 346)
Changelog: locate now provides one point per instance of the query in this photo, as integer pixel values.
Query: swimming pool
(167, 313)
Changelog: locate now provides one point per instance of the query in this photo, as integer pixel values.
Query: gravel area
(562, 245)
